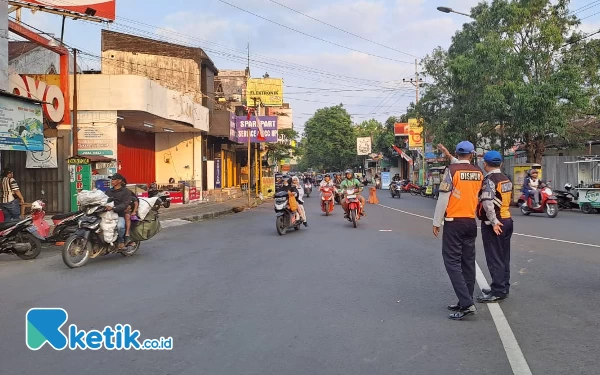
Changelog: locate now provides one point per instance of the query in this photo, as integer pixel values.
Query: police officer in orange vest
(497, 226)
(456, 206)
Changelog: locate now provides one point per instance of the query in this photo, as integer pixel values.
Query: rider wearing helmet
(327, 181)
(531, 187)
(352, 182)
(337, 179)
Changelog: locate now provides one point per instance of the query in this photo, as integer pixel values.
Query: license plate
(351, 196)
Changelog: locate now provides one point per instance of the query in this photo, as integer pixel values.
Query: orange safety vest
(503, 194)
(466, 184)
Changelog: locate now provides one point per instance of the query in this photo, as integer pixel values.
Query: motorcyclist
(337, 179)
(531, 187)
(396, 178)
(352, 183)
(308, 179)
(121, 199)
(327, 181)
(288, 186)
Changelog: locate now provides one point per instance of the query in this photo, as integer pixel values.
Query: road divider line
(513, 351)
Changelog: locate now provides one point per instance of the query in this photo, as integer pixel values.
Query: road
(329, 299)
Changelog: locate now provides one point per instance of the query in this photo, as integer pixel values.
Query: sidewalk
(206, 210)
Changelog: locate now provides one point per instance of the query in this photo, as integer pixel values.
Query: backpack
(147, 228)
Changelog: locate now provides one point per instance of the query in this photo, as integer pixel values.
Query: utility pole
(417, 82)
(75, 129)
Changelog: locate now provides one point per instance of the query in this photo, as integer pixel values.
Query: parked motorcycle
(89, 239)
(308, 189)
(21, 238)
(566, 198)
(285, 219)
(164, 196)
(548, 203)
(354, 207)
(396, 189)
(327, 200)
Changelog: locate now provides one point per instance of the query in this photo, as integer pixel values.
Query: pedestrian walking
(12, 199)
(456, 206)
(497, 226)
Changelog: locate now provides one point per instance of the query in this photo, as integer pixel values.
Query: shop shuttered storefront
(136, 156)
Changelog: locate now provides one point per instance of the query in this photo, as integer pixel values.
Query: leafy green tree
(506, 77)
(329, 140)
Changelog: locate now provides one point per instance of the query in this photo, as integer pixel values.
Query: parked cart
(588, 188)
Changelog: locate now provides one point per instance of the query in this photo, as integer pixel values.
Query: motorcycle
(164, 196)
(21, 238)
(338, 195)
(354, 207)
(396, 190)
(377, 183)
(548, 203)
(566, 199)
(308, 189)
(327, 200)
(89, 239)
(64, 224)
(285, 219)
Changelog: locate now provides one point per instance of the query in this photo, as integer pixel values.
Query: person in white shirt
(327, 181)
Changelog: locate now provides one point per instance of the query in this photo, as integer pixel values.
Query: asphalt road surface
(328, 299)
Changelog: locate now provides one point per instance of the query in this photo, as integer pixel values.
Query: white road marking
(514, 234)
(513, 351)
(385, 230)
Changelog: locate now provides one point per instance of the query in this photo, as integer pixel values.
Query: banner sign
(363, 146)
(53, 98)
(218, 173)
(97, 133)
(21, 125)
(401, 129)
(266, 91)
(415, 134)
(244, 126)
(104, 9)
(386, 180)
(232, 132)
(43, 159)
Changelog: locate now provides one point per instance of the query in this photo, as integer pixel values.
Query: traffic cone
(373, 196)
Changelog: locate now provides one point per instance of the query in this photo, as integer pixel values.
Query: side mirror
(43, 192)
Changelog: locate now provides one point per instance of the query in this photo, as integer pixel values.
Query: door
(136, 156)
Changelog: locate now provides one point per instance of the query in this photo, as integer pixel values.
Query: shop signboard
(244, 126)
(363, 146)
(21, 125)
(266, 91)
(415, 134)
(97, 133)
(218, 173)
(53, 98)
(46, 158)
(401, 129)
(80, 175)
(232, 129)
(103, 9)
(386, 180)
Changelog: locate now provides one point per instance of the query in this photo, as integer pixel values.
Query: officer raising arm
(497, 226)
(456, 206)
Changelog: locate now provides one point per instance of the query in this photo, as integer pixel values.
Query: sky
(320, 64)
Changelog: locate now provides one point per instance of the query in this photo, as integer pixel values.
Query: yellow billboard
(266, 91)
(415, 134)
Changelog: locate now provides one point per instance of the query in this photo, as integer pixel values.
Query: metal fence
(553, 169)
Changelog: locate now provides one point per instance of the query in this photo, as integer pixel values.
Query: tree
(282, 150)
(506, 78)
(329, 139)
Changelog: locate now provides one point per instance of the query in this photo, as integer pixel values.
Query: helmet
(37, 205)
(349, 171)
(328, 175)
(568, 186)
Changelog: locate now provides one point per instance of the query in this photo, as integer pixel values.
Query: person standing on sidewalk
(497, 226)
(12, 199)
(456, 205)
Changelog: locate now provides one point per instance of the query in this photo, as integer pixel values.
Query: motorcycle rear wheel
(414, 192)
(70, 246)
(36, 246)
(524, 210)
(167, 204)
(131, 249)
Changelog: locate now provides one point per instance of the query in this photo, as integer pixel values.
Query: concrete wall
(178, 156)
(4, 45)
(178, 74)
(38, 61)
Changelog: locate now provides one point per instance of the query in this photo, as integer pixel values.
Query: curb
(221, 213)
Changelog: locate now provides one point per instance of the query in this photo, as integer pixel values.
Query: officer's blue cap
(493, 157)
(465, 148)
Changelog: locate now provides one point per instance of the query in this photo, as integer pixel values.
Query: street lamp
(450, 10)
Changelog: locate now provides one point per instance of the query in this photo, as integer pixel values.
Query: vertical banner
(218, 173)
(81, 179)
(363, 146)
(415, 134)
(386, 180)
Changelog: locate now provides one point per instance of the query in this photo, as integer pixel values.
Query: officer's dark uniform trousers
(458, 251)
(497, 255)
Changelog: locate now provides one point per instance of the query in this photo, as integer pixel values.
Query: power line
(588, 6)
(342, 30)
(312, 36)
